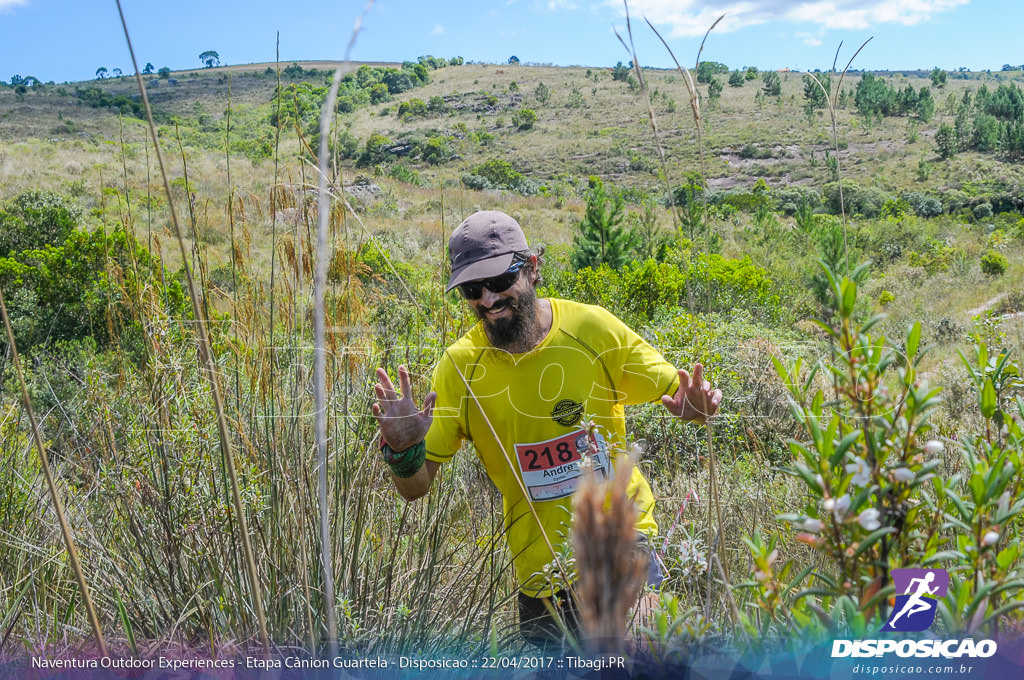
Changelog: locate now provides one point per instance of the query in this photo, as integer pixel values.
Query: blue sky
(64, 40)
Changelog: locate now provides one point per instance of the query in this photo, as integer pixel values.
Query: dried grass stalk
(610, 564)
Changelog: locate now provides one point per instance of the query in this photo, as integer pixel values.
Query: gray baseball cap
(483, 246)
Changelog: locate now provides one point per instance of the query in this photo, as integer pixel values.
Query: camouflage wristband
(405, 463)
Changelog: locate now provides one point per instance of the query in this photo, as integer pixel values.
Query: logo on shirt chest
(567, 412)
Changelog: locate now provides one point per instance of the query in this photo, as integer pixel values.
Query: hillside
(428, 139)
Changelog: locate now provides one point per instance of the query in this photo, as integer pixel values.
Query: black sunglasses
(472, 290)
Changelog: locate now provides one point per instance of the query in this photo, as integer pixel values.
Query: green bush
(642, 292)
(741, 200)
(435, 150)
(87, 286)
(375, 151)
(636, 293)
(402, 173)
(994, 263)
(524, 119)
(727, 284)
(36, 219)
(411, 108)
(866, 201)
(498, 174)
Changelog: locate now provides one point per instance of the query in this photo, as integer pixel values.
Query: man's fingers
(428, 405)
(684, 379)
(404, 381)
(698, 374)
(386, 385)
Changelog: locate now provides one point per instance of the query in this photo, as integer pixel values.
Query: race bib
(551, 469)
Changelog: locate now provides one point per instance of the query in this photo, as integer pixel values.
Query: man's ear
(534, 269)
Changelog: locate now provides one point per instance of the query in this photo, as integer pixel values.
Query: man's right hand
(402, 424)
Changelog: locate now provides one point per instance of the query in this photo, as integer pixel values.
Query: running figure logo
(917, 593)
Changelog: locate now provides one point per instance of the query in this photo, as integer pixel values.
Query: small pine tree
(542, 93)
(945, 141)
(602, 239)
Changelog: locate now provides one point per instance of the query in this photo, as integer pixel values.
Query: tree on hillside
(706, 70)
(148, 70)
(118, 73)
(945, 141)
(164, 72)
(542, 93)
(602, 239)
(772, 84)
(101, 73)
(816, 85)
(513, 60)
(210, 58)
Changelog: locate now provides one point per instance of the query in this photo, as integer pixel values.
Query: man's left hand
(694, 400)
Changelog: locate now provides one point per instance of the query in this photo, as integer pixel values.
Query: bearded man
(537, 386)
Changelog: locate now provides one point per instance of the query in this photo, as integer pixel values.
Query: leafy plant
(603, 239)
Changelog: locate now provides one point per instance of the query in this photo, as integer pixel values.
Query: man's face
(510, 317)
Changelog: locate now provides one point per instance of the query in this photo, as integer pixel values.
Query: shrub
(747, 202)
(36, 219)
(411, 108)
(438, 105)
(731, 283)
(858, 200)
(636, 293)
(82, 287)
(402, 173)
(435, 150)
(994, 263)
(499, 174)
(524, 119)
(375, 151)
(983, 210)
(923, 206)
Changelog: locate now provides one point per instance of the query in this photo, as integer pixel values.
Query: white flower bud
(869, 519)
(812, 525)
(903, 474)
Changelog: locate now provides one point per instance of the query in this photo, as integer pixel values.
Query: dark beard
(518, 333)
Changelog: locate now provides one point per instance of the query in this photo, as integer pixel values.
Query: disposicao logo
(918, 592)
(917, 597)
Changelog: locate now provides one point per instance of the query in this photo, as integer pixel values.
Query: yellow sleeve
(644, 375)
(446, 432)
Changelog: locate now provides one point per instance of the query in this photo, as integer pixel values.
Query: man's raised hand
(694, 400)
(401, 422)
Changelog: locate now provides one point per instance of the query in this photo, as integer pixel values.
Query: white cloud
(810, 39)
(557, 5)
(438, 29)
(692, 18)
(11, 4)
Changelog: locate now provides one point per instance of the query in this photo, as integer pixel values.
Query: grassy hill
(430, 137)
